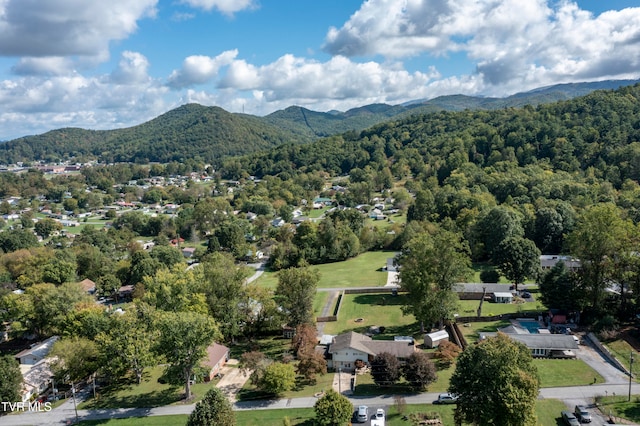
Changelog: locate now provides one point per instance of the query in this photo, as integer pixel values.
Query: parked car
(569, 418)
(446, 398)
(582, 414)
(526, 295)
(379, 414)
(363, 414)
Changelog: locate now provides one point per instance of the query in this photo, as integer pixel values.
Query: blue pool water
(532, 326)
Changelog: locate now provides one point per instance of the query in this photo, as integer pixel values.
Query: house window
(539, 352)
(348, 365)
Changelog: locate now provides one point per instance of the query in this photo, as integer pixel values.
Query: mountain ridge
(210, 133)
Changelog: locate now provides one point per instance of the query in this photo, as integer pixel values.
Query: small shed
(433, 340)
(502, 297)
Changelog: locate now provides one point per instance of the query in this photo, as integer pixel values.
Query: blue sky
(103, 65)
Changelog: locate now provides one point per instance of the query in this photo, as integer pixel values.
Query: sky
(112, 64)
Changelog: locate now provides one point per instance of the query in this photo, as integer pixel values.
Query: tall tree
(184, 338)
(596, 241)
(429, 266)
(499, 223)
(496, 383)
(128, 346)
(385, 369)
(559, 288)
(517, 259)
(10, 379)
(295, 293)
(76, 359)
(419, 371)
(213, 410)
(333, 409)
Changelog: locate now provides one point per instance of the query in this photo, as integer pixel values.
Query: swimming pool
(530, 325)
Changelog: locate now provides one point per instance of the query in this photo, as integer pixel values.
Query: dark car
(526, 295)
(582, 414)
(569, 418)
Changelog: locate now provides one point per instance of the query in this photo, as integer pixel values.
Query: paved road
(65, 413)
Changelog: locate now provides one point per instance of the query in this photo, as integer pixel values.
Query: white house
(347, 348)
(502, 297)
(37, 352)
(548, 261)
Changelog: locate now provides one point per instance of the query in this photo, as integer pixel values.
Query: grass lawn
(150, 393)
(470, 307)
(374, 309)
(321, 298)
(565, 372)
(618, 406)
(272, 346)
(268, 279)
(364, 270)
(622, 351)
(140, 421)
(471, 330)
(303, 389)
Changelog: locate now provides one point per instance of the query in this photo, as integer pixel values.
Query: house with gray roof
(543, 345)
(346, 348)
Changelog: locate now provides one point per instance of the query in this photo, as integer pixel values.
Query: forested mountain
(598, 133)
(211, 133)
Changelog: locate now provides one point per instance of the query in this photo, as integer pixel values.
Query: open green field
(364, 270)
(303, 389)
(374, 310)
(149, 393)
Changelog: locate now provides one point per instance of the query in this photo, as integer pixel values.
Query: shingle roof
(362, 343)
(554, 342)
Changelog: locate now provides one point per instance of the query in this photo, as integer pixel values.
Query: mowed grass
(149, 393)
(374, 310)
(622, 351)
(178, 419)
(364, 270)
(565, 372)
(470, 307)
(303, 388)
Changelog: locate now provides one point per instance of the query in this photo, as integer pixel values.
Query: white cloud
(132, 69)
(515, 44)
(199, 69)
(228, 7)
(51, 65)
(67, 27)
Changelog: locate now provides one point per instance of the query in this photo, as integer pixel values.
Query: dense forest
(210, 134)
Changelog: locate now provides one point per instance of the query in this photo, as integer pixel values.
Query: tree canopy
(496, 383)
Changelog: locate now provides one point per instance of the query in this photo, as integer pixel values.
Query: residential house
(217, 356)
(37, 352)
(542, 345)
(347, 348)
(188, 252)
(36, 379)
(548, 261)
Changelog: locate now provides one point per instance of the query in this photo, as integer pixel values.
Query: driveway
(592, 356)
(232, 380)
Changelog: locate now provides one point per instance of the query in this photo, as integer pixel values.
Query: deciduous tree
(184, 338)
(419, 371)
(517, 259)
(385, 369)
(277, 378)
(496, 383)
(333, 409)
(295, 293)
(213, 410)
(10, 379)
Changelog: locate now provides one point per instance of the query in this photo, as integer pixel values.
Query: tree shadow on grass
(380, 299)
(155, 398)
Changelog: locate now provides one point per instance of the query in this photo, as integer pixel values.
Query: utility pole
(630, 372)
(340, 381)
